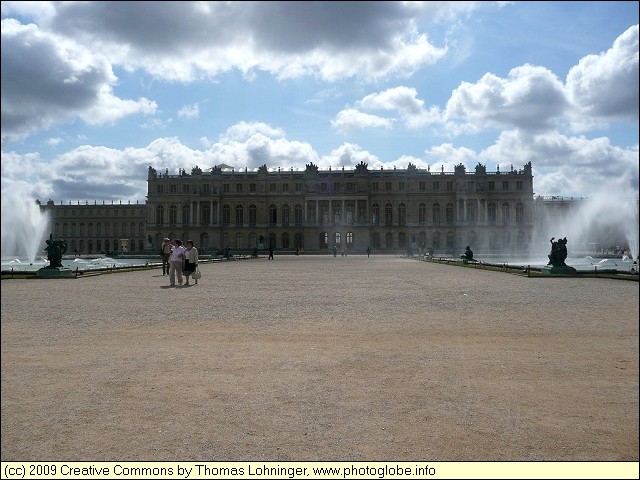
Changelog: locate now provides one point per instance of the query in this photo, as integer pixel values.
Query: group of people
(178, 260)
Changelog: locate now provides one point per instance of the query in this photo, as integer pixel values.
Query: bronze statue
(558, 252)
(55, 249)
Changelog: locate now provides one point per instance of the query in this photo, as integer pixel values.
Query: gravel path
(317, 358)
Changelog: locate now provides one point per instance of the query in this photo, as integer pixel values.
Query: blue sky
(94, 93)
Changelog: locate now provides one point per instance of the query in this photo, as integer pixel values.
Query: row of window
(348, 187)
(389, 240)
(138, 212)
(466, 212)
(98, 229)
(98, 246)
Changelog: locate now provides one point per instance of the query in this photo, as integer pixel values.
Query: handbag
(196, 273)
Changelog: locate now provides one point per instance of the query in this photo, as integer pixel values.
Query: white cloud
(48, 79)
(529, 98)
(189, 111)
(605, 86)
(405, 102)
(351, 119)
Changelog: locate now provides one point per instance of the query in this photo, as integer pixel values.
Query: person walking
(270, 252)
(368, 252)
(190, 261)
(176, 260)
(165, 251)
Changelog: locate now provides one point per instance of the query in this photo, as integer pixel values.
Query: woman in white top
(190, 261)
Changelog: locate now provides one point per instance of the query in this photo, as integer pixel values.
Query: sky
(93, 93)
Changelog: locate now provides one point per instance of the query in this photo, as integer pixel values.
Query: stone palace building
(313, 210)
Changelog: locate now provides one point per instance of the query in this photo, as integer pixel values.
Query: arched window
(472, 238)
(493, 241)
(285, 215)
(375, 214)
(436, 240)
(205, 214)
(388, 240)
(388, 214)
(492, 211)
(336, 238)
(253, 215)
(173, 215)
(285, 240)
(239, 215)
(422, 214)
(348, 216)
(449, 212)
(402, 239)
(349, 239)
(311, 211)
(506, 214)
(471, 211)
(273, 216)
(226, 216)
(323, 241)
(451, 241)
(402, 214)
(376, 240)
(506, 240)
(299, 219)
(519, 213)
(436, 214)
(337, 213)
(186, 215)
(160, 215)
(422, 239)
(239, 240)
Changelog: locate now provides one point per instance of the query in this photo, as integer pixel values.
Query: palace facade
(315, 210)
(99, 227)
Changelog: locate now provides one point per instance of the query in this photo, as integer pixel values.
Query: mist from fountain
(24, 226)
(605, 220)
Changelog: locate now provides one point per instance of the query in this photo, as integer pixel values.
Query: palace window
(239, 215)
(226, 215)
(388, 214)
(422, 214)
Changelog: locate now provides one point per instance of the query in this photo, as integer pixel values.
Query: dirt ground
(316, 358)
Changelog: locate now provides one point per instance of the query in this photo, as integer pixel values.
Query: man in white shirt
(176, 260)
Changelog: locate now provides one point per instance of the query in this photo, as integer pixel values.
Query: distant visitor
(467, 256)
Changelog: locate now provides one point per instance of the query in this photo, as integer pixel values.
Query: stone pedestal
(55, 272)
(562, 270)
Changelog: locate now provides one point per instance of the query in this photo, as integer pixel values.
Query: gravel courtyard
(315, 358)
